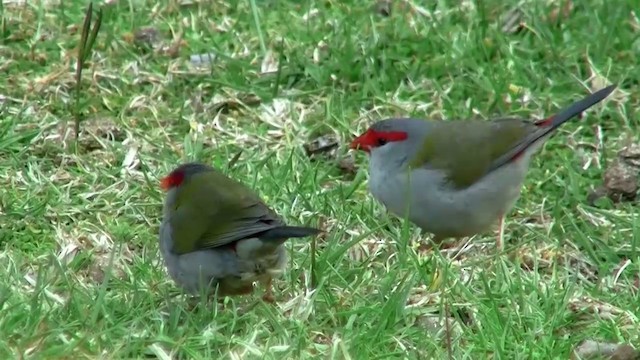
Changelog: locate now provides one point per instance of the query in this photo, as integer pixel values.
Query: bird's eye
(381, 141)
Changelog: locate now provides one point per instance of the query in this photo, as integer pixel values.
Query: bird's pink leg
(499, 242)
(268, 291)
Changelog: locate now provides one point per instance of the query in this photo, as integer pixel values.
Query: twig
(87, 39)
(234, 160)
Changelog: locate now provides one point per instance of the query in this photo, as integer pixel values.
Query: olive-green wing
(230, 211)
(467, 150)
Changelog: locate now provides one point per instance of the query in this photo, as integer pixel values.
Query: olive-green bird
(217, 233)
(456, 178)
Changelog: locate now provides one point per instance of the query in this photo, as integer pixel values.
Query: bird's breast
(429, 200)
(165, 238)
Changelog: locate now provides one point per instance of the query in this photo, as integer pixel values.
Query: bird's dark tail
(575, 109)
(548, 125)
(285, 232)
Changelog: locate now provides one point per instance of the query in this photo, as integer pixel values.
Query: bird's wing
(202, 222)
(468, 150)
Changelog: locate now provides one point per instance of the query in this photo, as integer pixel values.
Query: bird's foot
(430, 246)
(268, 292)
(447, 247)
(269, 298)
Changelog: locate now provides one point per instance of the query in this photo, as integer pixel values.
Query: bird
(455, 179)
(217, 234)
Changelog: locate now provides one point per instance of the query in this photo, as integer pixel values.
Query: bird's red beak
(361, 143)
(165, 183)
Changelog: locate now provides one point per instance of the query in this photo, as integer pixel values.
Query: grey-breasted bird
(216, 232)
(456, 178)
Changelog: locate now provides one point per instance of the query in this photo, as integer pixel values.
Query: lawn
(290, 83)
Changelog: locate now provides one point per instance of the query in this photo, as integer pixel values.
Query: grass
(82, 277)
